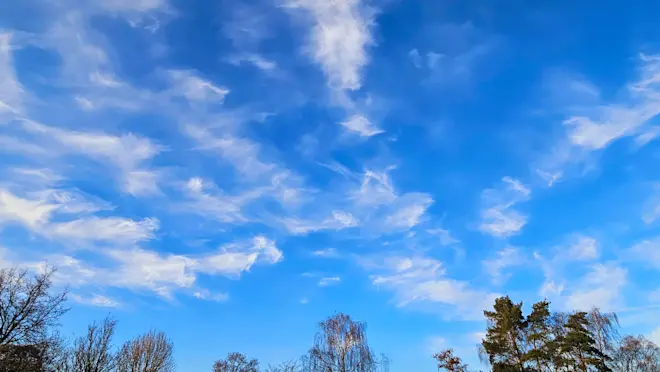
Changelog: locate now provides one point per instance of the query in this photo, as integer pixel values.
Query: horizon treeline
(542, 341)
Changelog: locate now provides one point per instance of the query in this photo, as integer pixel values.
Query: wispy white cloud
(209, 202)
(594, 126)
(340, 37)
(96, 300)
(163, 274)
(326, 253)
(377, 204)
(549, 178)
(160, 273)
(70, 201)
(361, 125)
(205, 294)
(37, 214)
(233, 259)
(647, 251)
(111, 229)
(43, 177)
(375, 187)
(11, 91)
(415, 57)
(577, 249)
(327, 281)
(444, 235)
(585, 248)
(654, 296)
(128, 154)
(11, 144)
(504, 259)
(601, 287)
(409, 211)
(246, 25)
(498, 217)
(242, 153)
(654, 336)
(255, 60)
(338, 221)
(339, 41)
(131, 5)
(195, 88)
(651, 207)
(552, 289)
(456, 53)
(423, 279)
(31, 213)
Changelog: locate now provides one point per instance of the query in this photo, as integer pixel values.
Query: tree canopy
(540, 341)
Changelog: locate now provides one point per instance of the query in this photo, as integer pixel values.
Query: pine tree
(538, 336)
(557, 329)
(504, 341)
(579, 343)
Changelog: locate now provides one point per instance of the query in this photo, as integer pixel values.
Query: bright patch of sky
(209, 167)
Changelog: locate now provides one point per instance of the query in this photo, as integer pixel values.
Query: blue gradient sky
(233, 172)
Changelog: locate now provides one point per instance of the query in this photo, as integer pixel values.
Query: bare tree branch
(151, 352)
(27, 309)
(449, 362)
(93, 352)
(341, 346)
(236, 362)
(290, 366)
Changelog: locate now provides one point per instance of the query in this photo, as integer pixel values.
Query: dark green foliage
(504, 341)
(557, 334)
(579, 343)
(538, 336)
(558, 342)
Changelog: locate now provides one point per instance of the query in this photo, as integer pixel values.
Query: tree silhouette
(236, 362)
(504, 342)
(636, 354)
(341, 346)
(27, 308)
(93, 352)
(581, 346)
(449, 362)
(538, 336)
(151, 352)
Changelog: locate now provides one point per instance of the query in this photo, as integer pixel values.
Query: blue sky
(233, 172)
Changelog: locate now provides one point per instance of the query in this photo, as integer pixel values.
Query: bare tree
(236, 362)
(289, 366)
(636, 354)
(27, 309)
(449, 362)
(57, 355)
(604, 328)
(341, 346)
(93, 352)
(151, 352)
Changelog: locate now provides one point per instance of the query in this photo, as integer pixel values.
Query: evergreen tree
(579, 343)
(504, 341)
(557, 330)
(538, 336)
